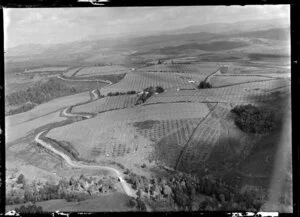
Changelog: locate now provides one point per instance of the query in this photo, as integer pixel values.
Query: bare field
(47, 69)
(14, 132)
(106, 104)
(262, 68)
(101, 70)
(19, 125)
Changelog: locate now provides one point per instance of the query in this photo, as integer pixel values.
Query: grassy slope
(44, 92)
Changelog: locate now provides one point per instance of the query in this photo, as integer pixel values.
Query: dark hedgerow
(252, 119)
(113, 94)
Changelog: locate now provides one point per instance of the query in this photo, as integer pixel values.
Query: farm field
(261, 68)
(119, 140)
(47, 69)
(106, 104)
(248, 92)
(200, 145)
(156, 130)
(138, 81)
(101, 70)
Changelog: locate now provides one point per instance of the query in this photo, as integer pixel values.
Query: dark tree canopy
(21, 179)
(252, 119)
(203, 85)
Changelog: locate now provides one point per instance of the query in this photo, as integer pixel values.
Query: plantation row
(169, 148)
(107, 104)
(101, 70)
(116, 150)
(165, 127)
(220, 111)
(201, 144)
(139, 81)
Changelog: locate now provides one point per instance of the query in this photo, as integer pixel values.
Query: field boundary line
(186, 144)
(210, 75)
(74, 74)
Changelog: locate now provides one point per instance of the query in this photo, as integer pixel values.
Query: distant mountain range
(233, 28)
(267, 29)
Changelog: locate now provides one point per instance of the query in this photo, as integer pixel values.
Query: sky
(61, 25)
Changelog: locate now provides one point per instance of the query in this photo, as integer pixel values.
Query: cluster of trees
(130, 92)
(252, 119)
(204, 84)
(182, 190)
(32, 209)
(148, 92)
(70, 190)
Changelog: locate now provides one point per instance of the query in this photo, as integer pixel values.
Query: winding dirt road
(78, 164)
(38, 138)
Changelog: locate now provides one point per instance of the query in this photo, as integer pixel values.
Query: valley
(186, 121)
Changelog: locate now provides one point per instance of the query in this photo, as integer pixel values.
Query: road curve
(72, 163)
(66, 112)
(69, 161)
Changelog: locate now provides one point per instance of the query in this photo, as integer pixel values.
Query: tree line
(181, 191)
(71, 190)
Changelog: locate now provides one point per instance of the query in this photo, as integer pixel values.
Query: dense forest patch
(252, 119)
